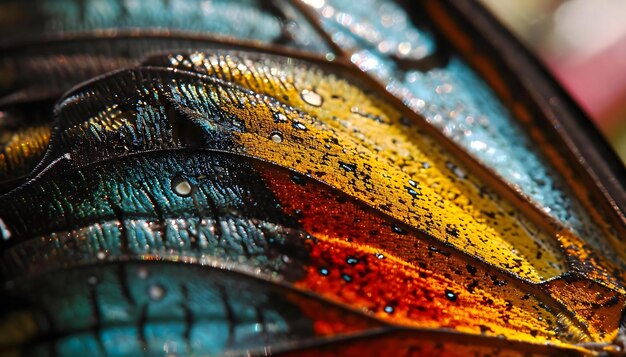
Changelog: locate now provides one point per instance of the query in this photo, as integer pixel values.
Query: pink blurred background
(584, 43)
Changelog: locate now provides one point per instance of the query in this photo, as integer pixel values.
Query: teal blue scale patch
(265, 21)
(149, 309)
(129, 208)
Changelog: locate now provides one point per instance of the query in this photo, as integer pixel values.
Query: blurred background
(584, 43)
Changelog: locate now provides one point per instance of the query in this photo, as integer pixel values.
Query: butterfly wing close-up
(298, 178)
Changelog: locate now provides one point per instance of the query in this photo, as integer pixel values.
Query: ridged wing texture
(214, 199)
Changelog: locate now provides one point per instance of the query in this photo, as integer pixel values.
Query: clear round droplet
(451, 295)
(276, 137)
(156, 292)
(311, 97)
(142, 272)
(299, 126)
(280, 118)
(181, 186)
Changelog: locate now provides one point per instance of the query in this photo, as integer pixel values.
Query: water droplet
(299, 126)
(412, 183)
(352, 260)
(412, 192)
(380, 256)
(156, 292)
(389, 309)
(451, 295)
(311, 97)
(101, 255)
(324, 271)
(181, 186)
(346, 277)
(276, 137)
(397, 229)
(142, 273)
(348, 167)
(280, 118)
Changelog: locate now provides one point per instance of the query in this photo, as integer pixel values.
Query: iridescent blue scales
(263, 21)
(130, 309)
(59, 43)
(270, 177)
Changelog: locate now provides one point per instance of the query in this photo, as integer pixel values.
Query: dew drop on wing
(311, 98)
(276, 137)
